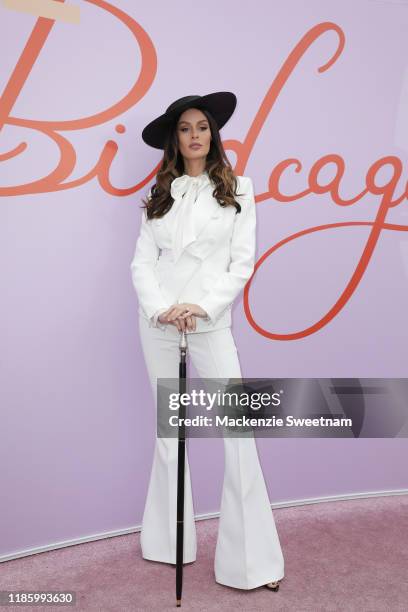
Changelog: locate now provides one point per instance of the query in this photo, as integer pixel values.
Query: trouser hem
(170, 561)
(253, 585)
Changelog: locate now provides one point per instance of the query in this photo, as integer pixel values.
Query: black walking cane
(180, 470)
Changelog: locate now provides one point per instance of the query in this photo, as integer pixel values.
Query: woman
(194, 254)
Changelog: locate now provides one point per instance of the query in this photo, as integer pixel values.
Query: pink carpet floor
(339, 556)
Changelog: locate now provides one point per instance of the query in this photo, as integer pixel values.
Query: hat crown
(181, 102)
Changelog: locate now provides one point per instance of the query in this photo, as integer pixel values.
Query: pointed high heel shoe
(272, 586)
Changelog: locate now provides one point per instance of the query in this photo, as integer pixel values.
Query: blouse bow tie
(184, 190)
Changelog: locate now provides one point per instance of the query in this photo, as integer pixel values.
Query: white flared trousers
(248, 551)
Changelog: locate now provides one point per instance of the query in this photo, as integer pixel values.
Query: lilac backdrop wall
(77, 416)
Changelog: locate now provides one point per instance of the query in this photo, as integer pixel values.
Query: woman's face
(193, 128)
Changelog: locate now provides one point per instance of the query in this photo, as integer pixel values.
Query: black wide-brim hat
(220, 104)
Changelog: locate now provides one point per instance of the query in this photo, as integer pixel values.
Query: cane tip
(178, 602)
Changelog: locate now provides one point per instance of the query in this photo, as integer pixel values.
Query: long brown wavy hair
(172, 166)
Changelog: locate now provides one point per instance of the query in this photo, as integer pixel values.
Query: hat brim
(220, 104)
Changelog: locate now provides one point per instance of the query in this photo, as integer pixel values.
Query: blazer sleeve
(142, 266)
(242, 262)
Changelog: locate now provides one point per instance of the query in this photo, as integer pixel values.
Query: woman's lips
(195, 146)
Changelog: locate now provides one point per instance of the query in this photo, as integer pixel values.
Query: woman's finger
(170, 314)
(182, 323)
(176, 323)
(174, 310)
(175, 313)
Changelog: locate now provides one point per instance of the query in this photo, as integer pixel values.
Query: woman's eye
(203, 127)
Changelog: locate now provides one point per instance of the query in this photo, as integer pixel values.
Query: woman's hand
(182, 323)
(183, 316)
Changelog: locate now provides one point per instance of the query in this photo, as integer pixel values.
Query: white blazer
(199, 252)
